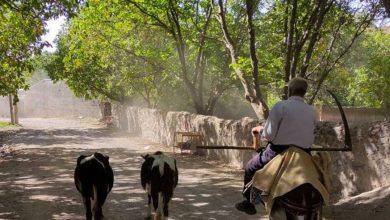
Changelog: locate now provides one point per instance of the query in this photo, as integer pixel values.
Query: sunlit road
(36, 181)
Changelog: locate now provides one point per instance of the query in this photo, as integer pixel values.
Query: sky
(53, 26)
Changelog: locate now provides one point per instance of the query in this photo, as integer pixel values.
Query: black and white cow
(159, 177)
(94, 179)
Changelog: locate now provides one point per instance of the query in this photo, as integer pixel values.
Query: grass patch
(4, 124)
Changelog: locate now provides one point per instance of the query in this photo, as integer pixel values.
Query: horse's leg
(277, 213)
(87, 206)
(319, 214)
(308, 202)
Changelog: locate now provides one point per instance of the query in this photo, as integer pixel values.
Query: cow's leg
(160, 209)
(157, 205)
(98, 211)
(150, 206)
(165, 210)
(87, 206)
(100, 197)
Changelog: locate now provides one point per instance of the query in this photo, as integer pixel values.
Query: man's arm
(271, 126)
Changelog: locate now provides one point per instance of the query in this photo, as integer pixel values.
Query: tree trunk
(259, 110)
(11, 109)
(252, 93)
(16, 114)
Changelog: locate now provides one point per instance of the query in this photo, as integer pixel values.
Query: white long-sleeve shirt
(291, 121)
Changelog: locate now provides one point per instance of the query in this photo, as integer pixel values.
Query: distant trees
(302, 38)
(117, 49)
(171, 53)
(365, 75)
(105, 54)
(22, 25)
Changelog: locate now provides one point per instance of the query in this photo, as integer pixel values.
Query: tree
(104, 54)
(190, 26)
(386, 3)
(18, 43)
(368, 79)
(313, 36)
(250, 82)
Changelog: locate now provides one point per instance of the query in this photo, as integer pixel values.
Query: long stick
(225, 147)
(221, 147)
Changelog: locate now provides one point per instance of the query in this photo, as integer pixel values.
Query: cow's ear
(107, 157)
(145, 156)
(80, 158)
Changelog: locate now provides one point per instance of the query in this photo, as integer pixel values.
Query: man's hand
(257, 130)
(256, 134)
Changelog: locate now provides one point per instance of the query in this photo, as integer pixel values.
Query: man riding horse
(291, 122)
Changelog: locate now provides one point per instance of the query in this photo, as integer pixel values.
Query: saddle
(291, 179)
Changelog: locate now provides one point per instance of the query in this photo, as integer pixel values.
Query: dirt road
(36, 180)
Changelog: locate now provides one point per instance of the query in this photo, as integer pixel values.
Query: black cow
(159, 177)
(94, 179)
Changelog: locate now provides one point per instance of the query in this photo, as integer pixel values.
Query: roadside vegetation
(4, 124)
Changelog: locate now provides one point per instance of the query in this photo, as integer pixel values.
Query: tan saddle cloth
(289, 170)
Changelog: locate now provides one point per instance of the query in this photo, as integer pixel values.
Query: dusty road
(36, 180)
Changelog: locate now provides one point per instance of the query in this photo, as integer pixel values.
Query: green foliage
(22, 24)
(370, 79)
(171, 55)
(16, 46)
(114, 50)
(105, 53)
(4, 124)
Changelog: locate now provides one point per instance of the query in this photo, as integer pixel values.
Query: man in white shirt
(291, 122)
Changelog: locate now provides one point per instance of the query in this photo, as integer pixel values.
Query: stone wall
(353, 114)
(363, 169)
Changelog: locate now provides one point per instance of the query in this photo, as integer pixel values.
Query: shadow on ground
(372, 205)
(37, 181)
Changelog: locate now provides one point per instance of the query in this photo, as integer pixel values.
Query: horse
(159, 177)
(294, 185)
(301, 203)
(94, 179)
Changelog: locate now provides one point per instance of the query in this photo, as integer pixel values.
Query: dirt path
(36, 181)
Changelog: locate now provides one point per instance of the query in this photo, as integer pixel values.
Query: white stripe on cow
(159, 160)
(90, 158)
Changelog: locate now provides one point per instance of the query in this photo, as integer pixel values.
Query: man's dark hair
(297, 86)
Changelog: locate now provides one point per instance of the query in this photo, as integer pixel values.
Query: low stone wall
(354, 115)
(363, 169)
(160, 127)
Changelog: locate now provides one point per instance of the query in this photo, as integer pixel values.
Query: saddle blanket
(289, 170)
